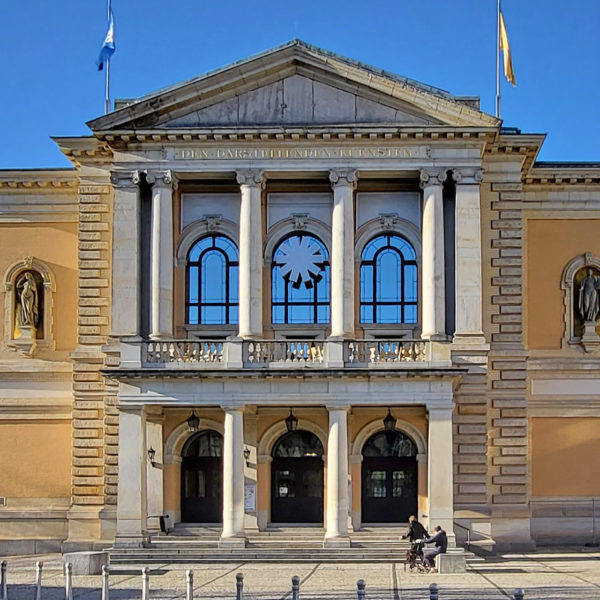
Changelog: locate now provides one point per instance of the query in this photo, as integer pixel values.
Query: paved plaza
(547, 574)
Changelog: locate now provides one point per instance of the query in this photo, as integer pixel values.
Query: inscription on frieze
(298, 153)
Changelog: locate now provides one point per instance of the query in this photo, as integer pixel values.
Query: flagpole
(498, 60)
(107, 81)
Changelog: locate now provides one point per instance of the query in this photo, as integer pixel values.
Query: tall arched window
(212, 282)
(300, 281)
(388, 281)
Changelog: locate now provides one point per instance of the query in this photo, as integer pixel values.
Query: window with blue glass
(388, 281)
(300, 281)
(212, 282)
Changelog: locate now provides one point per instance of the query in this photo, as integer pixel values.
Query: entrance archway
(202, 478)
(297, 478)
(389, 478)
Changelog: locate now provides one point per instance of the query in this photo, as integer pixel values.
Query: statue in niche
(28, 301)
(588, 297)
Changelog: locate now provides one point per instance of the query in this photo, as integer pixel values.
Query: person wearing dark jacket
(440, 539)
(415, 530)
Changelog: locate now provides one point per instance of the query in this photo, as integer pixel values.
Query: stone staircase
(282, 544)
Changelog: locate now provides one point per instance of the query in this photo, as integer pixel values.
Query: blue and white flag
(108, 47)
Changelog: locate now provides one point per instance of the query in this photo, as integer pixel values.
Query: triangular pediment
(299, 85)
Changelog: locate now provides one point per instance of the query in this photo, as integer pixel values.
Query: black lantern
(291, 422)
(389, 423)
(193, 422)
(151, 455)
(247, 456)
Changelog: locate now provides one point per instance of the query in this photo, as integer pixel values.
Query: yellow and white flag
(505, 47)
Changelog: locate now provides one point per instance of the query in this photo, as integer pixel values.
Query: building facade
(299, 290)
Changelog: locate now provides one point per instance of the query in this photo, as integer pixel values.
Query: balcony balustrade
(292, 354)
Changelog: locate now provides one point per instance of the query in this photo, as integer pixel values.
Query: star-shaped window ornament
(301, 261)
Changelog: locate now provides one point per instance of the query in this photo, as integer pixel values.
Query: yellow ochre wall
(551, 244)
(565, 456)
(35, 459)
(56, 245)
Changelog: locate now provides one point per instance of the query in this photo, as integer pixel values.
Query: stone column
(439, 477)
(131, 499)
(468, 327)
(161, 256)
(336, 533)
(125, 305)
(233, 477)
(154, 477)
(342, 253)
(434, 300)
(251, 259)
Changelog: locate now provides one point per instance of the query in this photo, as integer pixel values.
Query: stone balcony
(237, 354)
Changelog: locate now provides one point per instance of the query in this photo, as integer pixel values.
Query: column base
(236, 541)
(434, 337)
(337, 542)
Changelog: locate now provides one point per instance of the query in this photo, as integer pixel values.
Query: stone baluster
(251, 259)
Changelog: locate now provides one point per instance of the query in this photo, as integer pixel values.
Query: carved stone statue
(27, 307)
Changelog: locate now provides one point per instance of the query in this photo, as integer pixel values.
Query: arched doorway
(202, 478)
(389, 478)
(297, 478)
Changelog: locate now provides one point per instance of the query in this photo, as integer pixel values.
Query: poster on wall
(250, 497)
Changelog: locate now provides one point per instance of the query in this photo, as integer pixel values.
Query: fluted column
(440, 477)
(250, 264)
(434, 300)
(125, 305)
(132, 486)
(337, 478)
(161, 255)
(468, 322)
(342, 253)
(233, 476)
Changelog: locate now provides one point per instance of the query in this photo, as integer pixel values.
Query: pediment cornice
(295, 58)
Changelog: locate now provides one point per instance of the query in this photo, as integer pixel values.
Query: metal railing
(368, 352)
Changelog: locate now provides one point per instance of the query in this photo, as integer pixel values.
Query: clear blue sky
(51, 86)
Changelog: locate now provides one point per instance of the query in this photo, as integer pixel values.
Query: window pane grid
(212, 282)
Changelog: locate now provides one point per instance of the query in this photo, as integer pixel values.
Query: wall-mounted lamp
(291, 422)
(389, 423)
(247, 455)
(193, 422)
(151, 455)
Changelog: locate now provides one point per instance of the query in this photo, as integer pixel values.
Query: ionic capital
(467, 176)
(160, 179)
(343, 178)
(125, 179)
(430, 177)
(250, 178)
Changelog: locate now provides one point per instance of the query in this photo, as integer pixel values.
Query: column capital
(343, 178)
(125, 179)
(331, 407)
(251, 178)
(467, 176)
(232, 408)
(432, 176)
(161, 179)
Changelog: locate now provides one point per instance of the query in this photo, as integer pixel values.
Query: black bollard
(38, 580)
(3, 584)
(518, 594)
(433, 591)
(360, 589)
(295, 587)
(239, 585)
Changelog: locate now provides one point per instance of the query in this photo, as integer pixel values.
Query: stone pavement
(548, 574)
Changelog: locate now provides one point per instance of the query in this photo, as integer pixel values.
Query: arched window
(300, 281)
(212, 282)
(388, 281)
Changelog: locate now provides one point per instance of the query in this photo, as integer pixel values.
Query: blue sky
(51, 86)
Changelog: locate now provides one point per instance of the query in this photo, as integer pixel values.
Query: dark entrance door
(201, 478)
(297, 479)
(389, 478)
